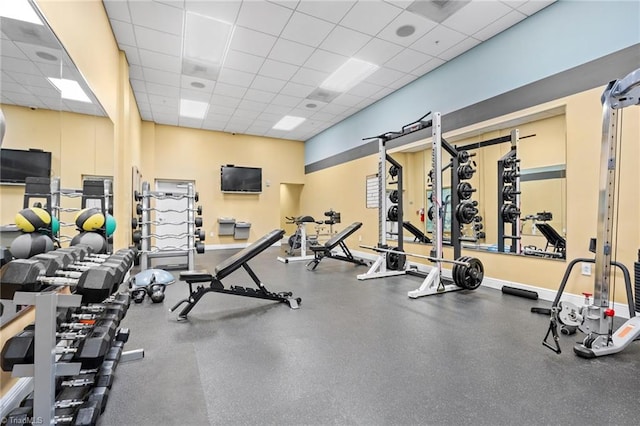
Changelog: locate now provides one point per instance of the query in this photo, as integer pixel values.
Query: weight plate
(393, 196)
(393, 171)
(392, 213)
(474, 274)
(397, 260)
(463, 156)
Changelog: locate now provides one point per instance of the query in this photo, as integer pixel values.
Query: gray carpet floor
(359, 353)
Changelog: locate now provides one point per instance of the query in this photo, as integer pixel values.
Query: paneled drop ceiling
(279, 54)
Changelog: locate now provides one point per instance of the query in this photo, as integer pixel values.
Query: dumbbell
(86, 414)
(94, 284)
(200, 234)
(199, 247)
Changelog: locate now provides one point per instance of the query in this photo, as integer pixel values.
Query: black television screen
(17, 165)
(240, 179)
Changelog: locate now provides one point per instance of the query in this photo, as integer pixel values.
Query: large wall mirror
(542, 154)
(49, 107)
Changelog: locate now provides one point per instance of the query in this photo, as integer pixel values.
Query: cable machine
(596, 319)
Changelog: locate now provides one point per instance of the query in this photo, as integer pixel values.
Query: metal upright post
(191, 228)
(382, 193)
(145, 227)
(516, 244)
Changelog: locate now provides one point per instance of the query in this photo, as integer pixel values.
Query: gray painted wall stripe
(574, 80)
(557, 174)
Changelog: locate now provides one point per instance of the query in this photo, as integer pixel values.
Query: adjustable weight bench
(325, 250)
(227, 267)
(420, 237)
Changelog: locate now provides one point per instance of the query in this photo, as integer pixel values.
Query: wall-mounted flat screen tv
(17, 165)
(240, 179)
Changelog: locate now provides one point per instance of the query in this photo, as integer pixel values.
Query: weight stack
(636, 280)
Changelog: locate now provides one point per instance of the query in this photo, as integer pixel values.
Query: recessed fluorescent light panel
(206, 43)
(348, 75)
(193, 109)
(288, 122)
(69, 89)
(19, 10)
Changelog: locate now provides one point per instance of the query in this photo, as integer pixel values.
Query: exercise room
(319, 212)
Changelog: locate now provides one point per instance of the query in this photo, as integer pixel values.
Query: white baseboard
(621, 309)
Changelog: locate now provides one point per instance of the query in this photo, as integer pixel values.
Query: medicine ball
(31, 219)
(30, 244)
(110, 225)
(90, 219)
(92, 239)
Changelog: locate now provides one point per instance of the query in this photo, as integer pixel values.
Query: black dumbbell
(198, 221)
(200, 234)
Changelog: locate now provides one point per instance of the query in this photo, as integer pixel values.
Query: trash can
(241, 231)
(226, 225)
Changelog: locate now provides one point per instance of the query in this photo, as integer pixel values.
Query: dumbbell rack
(45, 369)
(509, 197)
(188, 250)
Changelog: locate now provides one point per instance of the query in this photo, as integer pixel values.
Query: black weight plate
(393, 196)
(458, 277)
(474, 274)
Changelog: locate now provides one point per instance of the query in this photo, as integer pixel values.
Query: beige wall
(192, 154)
(583, 134)
(290, 205)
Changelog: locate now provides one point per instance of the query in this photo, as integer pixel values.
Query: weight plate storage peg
(509, 212)
(463, 156)
(396, 260)
(468, 277)
(465, 190)
(393, 196)
(392, 213)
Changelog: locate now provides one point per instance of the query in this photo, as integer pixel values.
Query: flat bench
(227, 267)
(420, 236)
(326, 249)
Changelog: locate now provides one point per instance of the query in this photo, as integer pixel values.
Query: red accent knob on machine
(587, 294)
(609, 312)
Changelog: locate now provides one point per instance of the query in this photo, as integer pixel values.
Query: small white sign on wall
(373, 194)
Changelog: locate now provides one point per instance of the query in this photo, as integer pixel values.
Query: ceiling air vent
(436, 10)
(323, 95)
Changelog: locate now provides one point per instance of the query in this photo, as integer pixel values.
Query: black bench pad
(340, 236)
(248, 253)
(199, 276)
(420, 236)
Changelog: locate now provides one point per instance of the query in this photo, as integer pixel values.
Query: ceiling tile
(135, 71)
(365, 89)
(459, 48)
(475, 16)
(219, 110)
(290, 52)
(348, 100)
(429, 66)
(161, 77)
(296, 89)
(384, 76)
(319, 9)
(123, 32)
(269, 117)
(407, 60)
(230, 90)
(278, 109)
(286, 100)
(163, 90)
(157, 16)
(166, 119)
(226, 101)
(344, 41)
(306, 29)
(302, 112)
(334, 108)
(324, 116)
(174, 3)
(215, 125)
(117, 9)
(15, 88)
(20, 65)
(378, 51)
(500, 25)
(259, 95)
(514, 3)
(268, 84)
(239, 78)
(322, 60)
(159, 61)
(31, 52)
(190, 122)
(402, 81)
(245, 114)
(226, 11)
(384, 92)
(370, 17)
(533, 6)
(168, 101)
(309, 77)
(291, 4)
(421, 27)
(158, 41)
(138, 86)
(164, 109)
(133, 57)
(187, 82)
(400, 3)
(9, 48)
(243, 61)
(278, 70)
(262, 16)
(438, 40)
(250, 41)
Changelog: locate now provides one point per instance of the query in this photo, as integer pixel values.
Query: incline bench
(324, 250)
(224, 269)
(420, 237)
